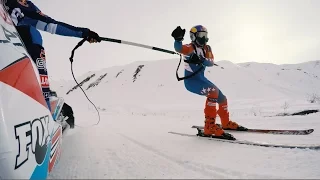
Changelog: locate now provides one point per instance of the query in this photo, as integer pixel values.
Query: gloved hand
(178, 33)
(195, 59)
(91, 36)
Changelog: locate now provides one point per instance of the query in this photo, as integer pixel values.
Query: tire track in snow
(207, 170)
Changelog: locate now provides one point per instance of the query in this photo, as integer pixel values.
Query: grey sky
(273, 31)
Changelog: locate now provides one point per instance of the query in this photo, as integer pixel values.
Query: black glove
(91, 36)
(178, 33)
(194, 59)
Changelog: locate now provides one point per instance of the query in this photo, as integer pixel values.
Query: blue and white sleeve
(46, 23)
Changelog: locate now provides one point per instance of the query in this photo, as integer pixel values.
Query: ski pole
(138, 45)
(141, 45)
(128, 43)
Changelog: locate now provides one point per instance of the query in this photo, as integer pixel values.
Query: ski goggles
(202, 34)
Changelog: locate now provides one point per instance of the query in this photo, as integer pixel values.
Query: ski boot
(212, 129)
(233, 126)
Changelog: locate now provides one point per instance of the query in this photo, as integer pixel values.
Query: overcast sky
(272, 31)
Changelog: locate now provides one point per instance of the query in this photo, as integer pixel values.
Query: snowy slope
(138, 109)
(156, 84)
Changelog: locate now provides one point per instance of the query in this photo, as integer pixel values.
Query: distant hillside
(154, 83)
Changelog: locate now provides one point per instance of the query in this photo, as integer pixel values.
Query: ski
(269, 131)
(252, 143)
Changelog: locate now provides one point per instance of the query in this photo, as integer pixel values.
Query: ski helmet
(199, 35)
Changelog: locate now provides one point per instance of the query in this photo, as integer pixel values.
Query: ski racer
(28, 19)
(198, 53)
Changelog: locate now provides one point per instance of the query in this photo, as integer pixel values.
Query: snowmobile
(30, 135)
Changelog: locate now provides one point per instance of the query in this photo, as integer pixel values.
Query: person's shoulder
(190, 45)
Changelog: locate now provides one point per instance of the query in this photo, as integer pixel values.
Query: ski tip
(309, 131)
(197, 127)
